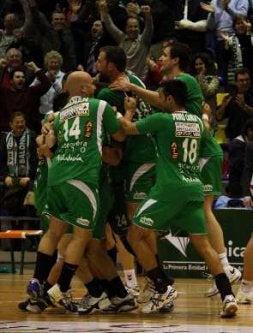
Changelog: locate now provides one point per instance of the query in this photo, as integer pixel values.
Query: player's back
(79, 129)
(178, 138)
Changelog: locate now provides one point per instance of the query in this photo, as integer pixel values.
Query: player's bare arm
(149, 96)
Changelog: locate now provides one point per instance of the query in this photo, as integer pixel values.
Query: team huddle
(147, 155)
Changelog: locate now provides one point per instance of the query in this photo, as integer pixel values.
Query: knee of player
(54, 235)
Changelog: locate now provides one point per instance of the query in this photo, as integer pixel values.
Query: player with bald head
(73, 181)
(80, 84)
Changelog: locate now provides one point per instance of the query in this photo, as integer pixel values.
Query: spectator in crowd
(135, 45)
(15, 34)
(220, 20)
(53, 63)
(204, 70)
(6, 35)
(236, 152)
(17, 164)
(239, 47)
(13, 59)
(54, 35)
(91, 46)
(23, 99)
(231, 198)
(237, 106)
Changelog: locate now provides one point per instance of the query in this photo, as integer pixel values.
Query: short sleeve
(150, 124)
(110, 122)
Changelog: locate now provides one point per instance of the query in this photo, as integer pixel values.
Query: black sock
(106, 287)
(169, 278)
(223, 285)
(46, 287)
(117, 288)
(43, 266)
(159, 278)
(68, 271)
(94, 288)
(112, 253)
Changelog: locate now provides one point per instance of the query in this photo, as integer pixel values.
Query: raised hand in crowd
(32, 66)
(146, 10)
(24, 181)
(207, 7)
(102, 6)
(75, 6)
(133, 9)
(3, 63)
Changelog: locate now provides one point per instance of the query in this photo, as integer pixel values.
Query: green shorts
(163, 215)
(211, 174)
(118, 214)
(106, 198)
(73, 202)
(139, 180)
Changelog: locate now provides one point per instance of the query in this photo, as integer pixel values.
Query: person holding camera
(237, 106)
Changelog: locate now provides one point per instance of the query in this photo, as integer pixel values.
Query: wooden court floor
(193, 313)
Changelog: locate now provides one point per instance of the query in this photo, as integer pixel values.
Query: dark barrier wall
(179, 257)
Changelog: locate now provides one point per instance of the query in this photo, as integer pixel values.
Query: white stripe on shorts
(147, 204)
(140, 172)
(87, 191)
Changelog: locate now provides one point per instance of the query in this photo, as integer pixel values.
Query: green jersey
(80, 128)
(138, 149)
(209, 146)
(177, 139)
(194, 93)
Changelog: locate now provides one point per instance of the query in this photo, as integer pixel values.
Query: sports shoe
(158, 300)
(167, 308)
(135, 291)
(146, 292)
(32, 305)
(62, 300)
(229, 307)
(34, 289)
(118, 304)
(233, 275)
(243, 297)
(90, 304)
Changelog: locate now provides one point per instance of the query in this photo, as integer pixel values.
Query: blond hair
(53, 54)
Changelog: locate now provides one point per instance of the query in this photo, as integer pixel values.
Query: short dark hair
(241, 71)
(16, 69)
(207, 60)
(16, 114)
(177, 89)
(183, 53)
(115, 55)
